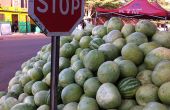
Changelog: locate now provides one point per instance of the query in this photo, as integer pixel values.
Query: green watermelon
(66, 77)
(155, 106)
(145, 77)
(108, 96)
(83, 53)
(43, 107)
(146, 93)
(114, 24)
(77, 65)
(88, 104)
(17, 89)
(137, 107)
(146, 27)
(110, 51)
(127, 30)
(22, 97)
(127, 69)
(28, 87)
(84, 41)
(77, 34)
(67, 50)
(119, 43)
(63, 63)
(93, 60)
(127, 104)
(133, 53)
(96, 42)
(108, 72)
(112, 36)
(161, 74)
(164, 93)
(23, 106)
(29, 100)
(99, 30)
(149, 46)
(46, 68)
(39, 86)
(91, 86)
(82, 75)
(36, 74)
(137, 37)
(71, 106)
(9, 103)
(128, 87)
(71, 93)
(74, 58)
(40, 97)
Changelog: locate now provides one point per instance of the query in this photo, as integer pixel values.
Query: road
(14, 52)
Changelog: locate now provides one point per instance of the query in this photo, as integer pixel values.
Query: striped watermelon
(96, 42)
(128, 87)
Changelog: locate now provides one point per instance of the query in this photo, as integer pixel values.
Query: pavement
(16, 49)
(20, 36)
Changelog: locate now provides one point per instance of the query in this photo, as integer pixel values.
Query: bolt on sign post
(56, 18)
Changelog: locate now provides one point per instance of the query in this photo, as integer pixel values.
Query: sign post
(56, 18)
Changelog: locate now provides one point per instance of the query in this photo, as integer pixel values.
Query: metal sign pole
(55, 44)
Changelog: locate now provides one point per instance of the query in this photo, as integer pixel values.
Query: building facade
(15, 11)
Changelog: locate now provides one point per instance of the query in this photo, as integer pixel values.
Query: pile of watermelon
(114, 66)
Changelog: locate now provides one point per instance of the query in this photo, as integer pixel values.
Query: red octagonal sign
(56, 17)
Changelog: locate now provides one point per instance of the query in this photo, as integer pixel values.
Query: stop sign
(56, 17)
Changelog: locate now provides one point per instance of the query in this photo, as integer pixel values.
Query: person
(15, 27)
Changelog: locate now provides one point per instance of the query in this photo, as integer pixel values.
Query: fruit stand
(114, 66)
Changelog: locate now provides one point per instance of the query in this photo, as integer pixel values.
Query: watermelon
(108, 72)
(132, 52)
(46, 68)
(119, 43)
(77, 65)
(88, 104)
(145, 77)
(83, 53)
(146, 27)
(99, 30)
(114, 24)
(164, 93)
(118, 59)
(137, 107)
(95, 43)
(84, 41)
(82, 75)
(22, 97)
(137, 37)
(110, 51)
(47, 79)
(77, 34)
(17, 89)
(28, 87)
(162, 38)
(93, 60)
(128, 87)
(63, 63)
(71, 106)
(66, 77)
(65, 39)
(74, 59)
(67, 50)
(39, 86)
(75, 43)
(71, 93)
(112, 36)
(161, 74)
(29, 100)
(127, 30)
(108, 96)
(39, 64)
(23, 106)
(149, 46)
(155, 106)
(91, 86)
(43, 107)
(146, 93)
(9, 103)
(127, 69)
(35, 74)
(24, 79)
(127, 104)
(40, 97)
